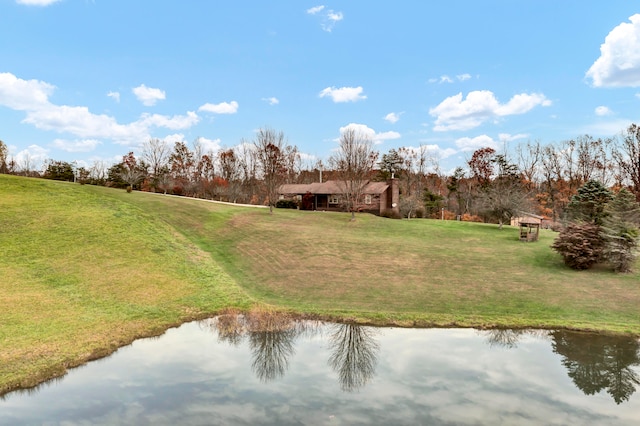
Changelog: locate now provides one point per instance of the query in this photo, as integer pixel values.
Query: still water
(242, 371)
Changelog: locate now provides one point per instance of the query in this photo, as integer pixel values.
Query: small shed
(529, 231)
(524, 217)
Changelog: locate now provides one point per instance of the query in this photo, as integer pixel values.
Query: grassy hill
(84, 270)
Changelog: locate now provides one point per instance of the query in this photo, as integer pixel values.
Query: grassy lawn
(84, 270)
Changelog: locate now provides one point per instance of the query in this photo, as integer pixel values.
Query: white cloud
(619, 61)
(343, 94)
(209, 145)
(603, 111)
(393, 117)
(463, 77)
(37, 2)
(85, 145)
(363, 129)
(23, 95)
(471, 144)
(434, 152)
(271, 101)
(171, 140)
(221, 108)
(148, 95)
(315, 9)
(456, 113)
(32, 96)
(174, 123)
(335, 16)
(31, 158)
(115, 96)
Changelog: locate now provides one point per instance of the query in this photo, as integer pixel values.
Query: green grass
(84, 270)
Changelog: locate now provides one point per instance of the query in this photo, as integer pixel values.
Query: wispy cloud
(603, 111)
(115, 96)
(271, 100)
(446, 79)
(149, 96)
(37, 2)
(343, 94)
(315, 9)
(328, 17)
(221, 108)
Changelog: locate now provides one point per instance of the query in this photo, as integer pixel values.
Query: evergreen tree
(620, 231)
(588, 205)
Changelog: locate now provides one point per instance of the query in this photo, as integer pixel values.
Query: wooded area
(491, 187)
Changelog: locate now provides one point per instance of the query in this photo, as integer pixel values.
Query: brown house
(377, 197)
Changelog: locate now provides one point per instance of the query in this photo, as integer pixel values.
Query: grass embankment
(87, 269)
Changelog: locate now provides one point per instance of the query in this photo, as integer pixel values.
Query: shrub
(471, 218)
(286, 204)
(580, 245)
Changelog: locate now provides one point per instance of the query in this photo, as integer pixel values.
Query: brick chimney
(393, 197)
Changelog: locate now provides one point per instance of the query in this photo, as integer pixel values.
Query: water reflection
(257, 369)
(597, 363)
(594, 362)
(272, 343)
(353, 355)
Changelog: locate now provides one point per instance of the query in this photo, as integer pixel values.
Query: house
(377, 197)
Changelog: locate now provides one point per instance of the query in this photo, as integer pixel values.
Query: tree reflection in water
(594, 362)
(599, 362)
(271, 338)
(354, 355)
(504, 337)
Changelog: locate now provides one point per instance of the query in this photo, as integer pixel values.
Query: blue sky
(87, 81)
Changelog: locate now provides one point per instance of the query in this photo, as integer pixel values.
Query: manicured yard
(86, 269)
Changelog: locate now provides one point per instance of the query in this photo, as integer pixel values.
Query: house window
(367, 198)
(334, 199)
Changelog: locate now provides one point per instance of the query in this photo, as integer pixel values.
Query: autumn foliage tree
(130, 171)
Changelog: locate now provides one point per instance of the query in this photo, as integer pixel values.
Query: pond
(236, 370)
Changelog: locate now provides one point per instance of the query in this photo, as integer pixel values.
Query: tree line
(491, 187)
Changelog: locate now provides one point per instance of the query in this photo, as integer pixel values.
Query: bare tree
(353, 163)
(627, 158)
(245, 153)
(270, 149)
(98, 172)
(155, 153)
(529, 159)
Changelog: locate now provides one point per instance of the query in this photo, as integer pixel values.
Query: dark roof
(330, 187)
